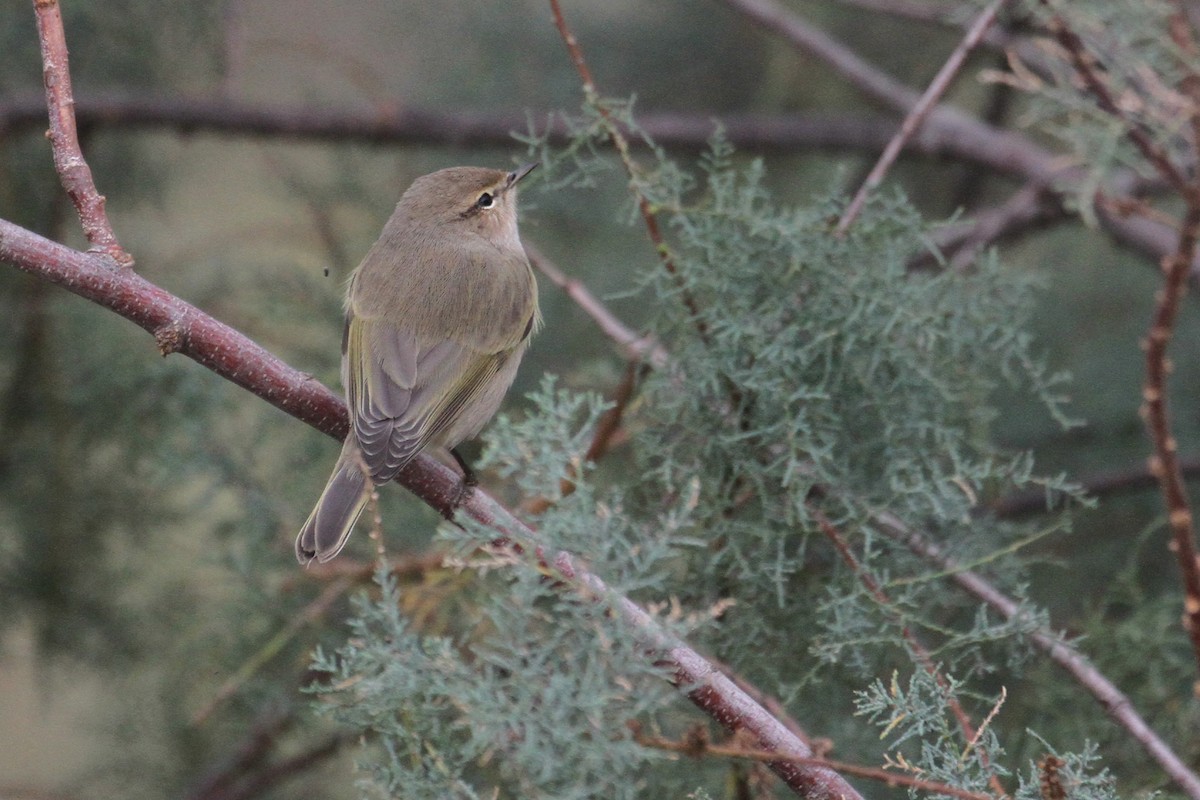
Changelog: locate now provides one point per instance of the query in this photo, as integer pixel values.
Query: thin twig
(916, 115)
(1089, 72)
(697, 745)
(621, 143)
(634, 346)
(918, 650)
(1030, 207)
(254, 785)
(73, 170)
(311, 612)
(1036, 501)
(1165, 462)
(758, 132)
(252, 750)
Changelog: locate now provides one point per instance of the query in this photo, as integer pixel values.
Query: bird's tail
(328, 527)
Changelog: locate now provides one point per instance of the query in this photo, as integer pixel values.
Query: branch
(254, 786)
(691, 131)
(312, 612)
(1115, 703)
(72, 169)
(1088, 71)
(975, 140)
(1165, 462)
(621, 143)
(1034, 501)
(696, 745)
(762, 133)
(633, 346)
(919, 652)
(180, 327)
(919, 110)
(252, 750)
(1029, 208)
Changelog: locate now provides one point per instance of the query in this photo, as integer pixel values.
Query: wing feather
(405, 394)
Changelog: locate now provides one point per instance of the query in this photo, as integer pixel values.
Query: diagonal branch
(72, 169)
(1115, 702)
(919, 110)
(919, 651)
(621, 143)
(180, 327)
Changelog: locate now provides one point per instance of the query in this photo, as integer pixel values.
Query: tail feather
(328, 527)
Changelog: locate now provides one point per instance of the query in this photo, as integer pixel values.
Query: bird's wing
(403, 392)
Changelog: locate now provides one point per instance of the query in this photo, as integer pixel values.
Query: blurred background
(147, 507)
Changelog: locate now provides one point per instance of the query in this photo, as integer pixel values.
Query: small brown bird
(438, 316)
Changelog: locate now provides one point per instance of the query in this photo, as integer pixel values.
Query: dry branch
(72, 169)
(919, 110)
(181, 327)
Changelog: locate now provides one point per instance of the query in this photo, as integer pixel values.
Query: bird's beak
(520, 172)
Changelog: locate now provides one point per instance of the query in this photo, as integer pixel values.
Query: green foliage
(815, 386)
(1140, 69)
(818, 381)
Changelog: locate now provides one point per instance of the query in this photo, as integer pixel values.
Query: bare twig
(72, 169)
(254, 785)
(634, 347)
(1165, 463)
(311, 612)
(252, 750)
(687, 131)
(621, 143)
(919, 110)
(1088, 71)
(405, 125)
(1034, 501)
(1029, 208)
(1020, 153)
(710, 689)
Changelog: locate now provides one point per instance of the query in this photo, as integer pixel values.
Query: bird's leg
(469, 479)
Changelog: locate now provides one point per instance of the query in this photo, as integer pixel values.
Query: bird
(437, 318)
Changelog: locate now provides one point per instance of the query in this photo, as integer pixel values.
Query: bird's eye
(485, 200)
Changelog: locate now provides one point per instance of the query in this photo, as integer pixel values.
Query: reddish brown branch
(183, 328)
(72, 169)
(607, 428)
(1085, 66)
(1165, 462)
